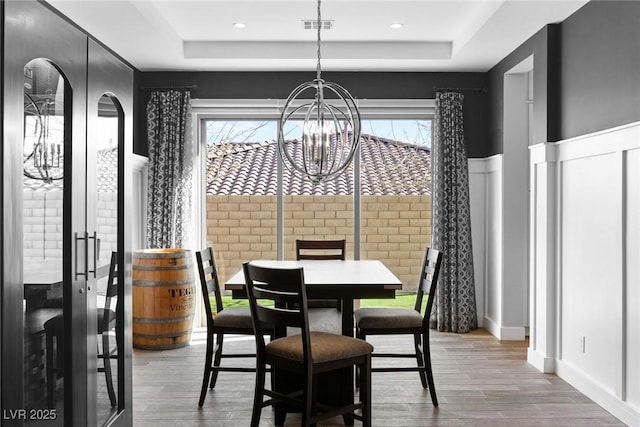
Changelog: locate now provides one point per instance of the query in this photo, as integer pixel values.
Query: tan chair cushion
(387, 318)
(325, 347)
(236, 317)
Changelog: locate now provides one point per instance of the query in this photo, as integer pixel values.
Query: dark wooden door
(109, 140)
(44, 351)
(50, 229)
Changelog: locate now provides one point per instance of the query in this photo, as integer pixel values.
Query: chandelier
(43, 145)
(43, 158)
(331, 128)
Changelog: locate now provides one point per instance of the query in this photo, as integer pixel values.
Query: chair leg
(258, 394)
(427, 364)
(106, 359)
(365, 391)
(307, 411)
(420, 359)
(361, 336)
(207, 369)
(216, 360)
(51, 376)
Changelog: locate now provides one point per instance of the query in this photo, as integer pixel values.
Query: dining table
(347, 280)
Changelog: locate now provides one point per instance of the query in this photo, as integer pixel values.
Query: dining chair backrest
(209, 282)
(111, 292)
(428, 280)
(286, 290)
(320, 249)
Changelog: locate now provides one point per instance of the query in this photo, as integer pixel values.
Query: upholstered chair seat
(236, 317)
(387, 318)
(325, 347)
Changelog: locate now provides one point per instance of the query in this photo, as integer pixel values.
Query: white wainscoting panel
(542, 259)
(485, 186)
(632, 278)
(591, 269)
(584, 265)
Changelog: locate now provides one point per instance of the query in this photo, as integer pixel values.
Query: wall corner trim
(545, 364)
(543, 152)
(139, 163)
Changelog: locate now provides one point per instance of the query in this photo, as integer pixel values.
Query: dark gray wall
(278, 85)
(586, 74)
(600, 83)
(544, 48)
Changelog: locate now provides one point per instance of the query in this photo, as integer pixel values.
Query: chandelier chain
(318, 70)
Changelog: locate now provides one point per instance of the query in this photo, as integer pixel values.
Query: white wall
(585, 264)
(139, 196)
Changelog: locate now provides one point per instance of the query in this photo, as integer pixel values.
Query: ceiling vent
(312, 24)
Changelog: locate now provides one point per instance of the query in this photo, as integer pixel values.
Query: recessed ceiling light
(239, 25)
(396, 25)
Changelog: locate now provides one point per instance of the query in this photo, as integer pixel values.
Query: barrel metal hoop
(161, 267)
(171, 320)
(170, 335)
(162, 282)
(173, 254)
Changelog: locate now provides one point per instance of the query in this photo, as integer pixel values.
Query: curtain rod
(168, 87)
(468, 89)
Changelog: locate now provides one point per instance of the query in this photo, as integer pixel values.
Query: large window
(256, 208)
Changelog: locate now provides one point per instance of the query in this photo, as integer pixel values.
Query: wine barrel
(164, 298)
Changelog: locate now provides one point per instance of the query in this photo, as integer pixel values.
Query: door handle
(96, 253)
(86, 255)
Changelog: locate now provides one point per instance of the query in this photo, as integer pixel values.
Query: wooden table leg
(348, 373)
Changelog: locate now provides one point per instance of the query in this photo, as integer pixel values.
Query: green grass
(402, 299)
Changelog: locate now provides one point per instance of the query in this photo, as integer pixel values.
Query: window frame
(270, 109)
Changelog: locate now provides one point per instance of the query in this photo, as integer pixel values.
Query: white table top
(330, 272)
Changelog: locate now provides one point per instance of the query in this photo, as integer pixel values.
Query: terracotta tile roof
(388, 168)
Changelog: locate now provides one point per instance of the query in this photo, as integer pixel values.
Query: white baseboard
(504, 333)
(625, 412)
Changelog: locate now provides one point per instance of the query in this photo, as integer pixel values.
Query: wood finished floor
(480, 381)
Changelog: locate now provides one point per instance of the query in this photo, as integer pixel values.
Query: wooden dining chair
(106, 326)
(305, 354)
(235, 320)
(322, 250)
(405, 321)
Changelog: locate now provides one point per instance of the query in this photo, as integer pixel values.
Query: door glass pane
(106, 138)
(44, 144)
(396, 194)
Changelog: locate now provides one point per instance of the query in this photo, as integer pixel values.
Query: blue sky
(411, 131)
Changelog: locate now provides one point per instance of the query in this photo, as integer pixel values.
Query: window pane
(316, 211)
(241, 192)
(242, 185)
(396, 195)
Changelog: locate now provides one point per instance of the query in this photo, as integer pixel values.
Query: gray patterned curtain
(169, 196)
(455, 305)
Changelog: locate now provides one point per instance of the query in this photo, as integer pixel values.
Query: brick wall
(395, 229)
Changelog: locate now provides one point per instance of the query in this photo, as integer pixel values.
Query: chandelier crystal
(331, 128)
